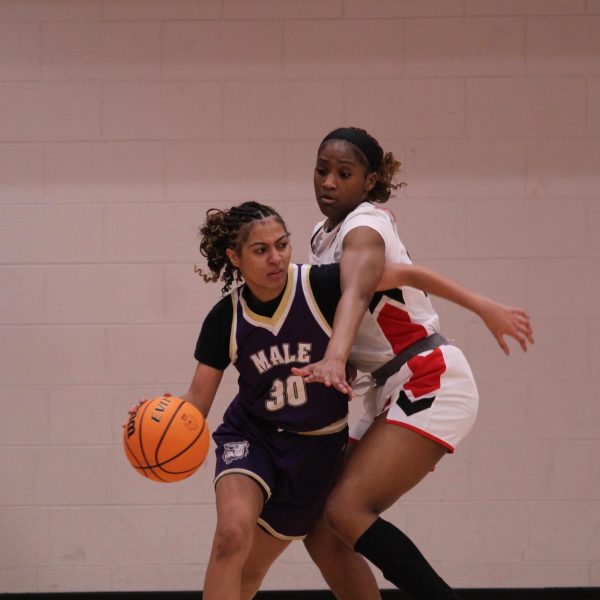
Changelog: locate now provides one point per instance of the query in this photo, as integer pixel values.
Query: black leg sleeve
(401, 562)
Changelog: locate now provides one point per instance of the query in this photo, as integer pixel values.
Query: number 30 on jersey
(291, 392)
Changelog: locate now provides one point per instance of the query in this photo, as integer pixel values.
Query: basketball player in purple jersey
(281, 441)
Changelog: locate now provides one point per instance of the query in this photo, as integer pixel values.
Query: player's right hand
(133, 410)
(329, 372)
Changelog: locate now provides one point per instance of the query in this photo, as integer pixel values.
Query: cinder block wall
(122, 121)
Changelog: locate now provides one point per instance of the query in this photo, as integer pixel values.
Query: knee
(349, 516)
(337, 516)
(232, 539)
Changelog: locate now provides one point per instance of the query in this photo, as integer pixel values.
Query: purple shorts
(295, 472)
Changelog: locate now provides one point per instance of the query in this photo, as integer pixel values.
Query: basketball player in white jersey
(423, 398)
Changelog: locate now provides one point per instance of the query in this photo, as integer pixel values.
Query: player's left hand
(504, 320)
(328, 371)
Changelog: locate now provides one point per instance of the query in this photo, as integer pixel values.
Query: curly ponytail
(384, 185)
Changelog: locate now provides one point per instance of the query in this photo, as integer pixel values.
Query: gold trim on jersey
(232, 340)
(274, 323)
(311, 301)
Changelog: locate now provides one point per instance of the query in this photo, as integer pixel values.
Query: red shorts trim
(446, 445)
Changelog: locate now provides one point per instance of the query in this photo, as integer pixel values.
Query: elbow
(361, 297)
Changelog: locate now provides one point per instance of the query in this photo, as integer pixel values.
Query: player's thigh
(384, 465)
(239, 500)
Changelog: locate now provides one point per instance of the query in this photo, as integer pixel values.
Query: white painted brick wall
(122, 121)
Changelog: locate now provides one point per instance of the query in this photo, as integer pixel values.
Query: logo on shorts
(235, 451)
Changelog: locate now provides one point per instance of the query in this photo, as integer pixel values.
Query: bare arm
(361, 266)
(500, 319)
(203, 388)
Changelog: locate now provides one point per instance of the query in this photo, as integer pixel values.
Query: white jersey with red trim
(434, 393)
(396, 318)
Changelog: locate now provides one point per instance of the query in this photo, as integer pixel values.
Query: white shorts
(434, 394)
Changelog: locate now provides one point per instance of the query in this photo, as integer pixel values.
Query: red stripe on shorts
(433, 438)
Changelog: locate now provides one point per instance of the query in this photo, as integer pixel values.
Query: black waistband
(381, 375)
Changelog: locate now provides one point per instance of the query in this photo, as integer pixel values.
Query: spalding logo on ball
(167, 439)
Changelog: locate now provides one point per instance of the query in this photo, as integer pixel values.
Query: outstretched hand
(328, 371)
(504, 320)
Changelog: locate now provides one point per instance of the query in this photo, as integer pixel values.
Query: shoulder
(212, 346)
(368, 215)
(324, 276)
(222, 310)
(325, 290)
(378, 220)
(227, 301)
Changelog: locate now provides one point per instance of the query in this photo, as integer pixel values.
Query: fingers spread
(503, 344)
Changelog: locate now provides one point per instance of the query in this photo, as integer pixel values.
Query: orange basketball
(167, 439)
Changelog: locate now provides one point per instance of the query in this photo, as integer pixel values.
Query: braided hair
(225, 229)
(370, 154)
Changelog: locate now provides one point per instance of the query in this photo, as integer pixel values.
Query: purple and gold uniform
(287, 435)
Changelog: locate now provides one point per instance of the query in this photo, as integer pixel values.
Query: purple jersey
(265, 349)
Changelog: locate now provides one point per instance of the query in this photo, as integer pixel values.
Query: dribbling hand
(134, 409)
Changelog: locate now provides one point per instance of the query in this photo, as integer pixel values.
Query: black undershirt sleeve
(212, 347)
(325, 284)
